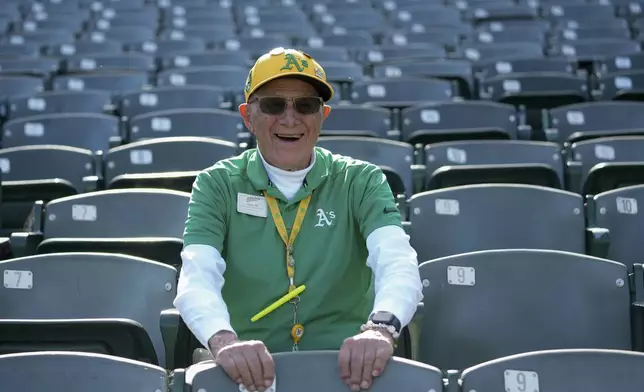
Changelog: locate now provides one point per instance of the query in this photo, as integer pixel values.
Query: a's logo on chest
(325, 218)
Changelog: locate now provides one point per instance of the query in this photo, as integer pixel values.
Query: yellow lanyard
(281, 229)
(298, 329)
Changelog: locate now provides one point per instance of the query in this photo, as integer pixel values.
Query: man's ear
(327, 110)
(244, 111)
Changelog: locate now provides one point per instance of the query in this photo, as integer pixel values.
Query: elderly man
(286, 215)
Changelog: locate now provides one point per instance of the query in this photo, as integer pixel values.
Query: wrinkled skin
(287, 155)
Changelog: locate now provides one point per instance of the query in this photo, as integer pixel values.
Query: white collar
(288, 182)
(270, 169)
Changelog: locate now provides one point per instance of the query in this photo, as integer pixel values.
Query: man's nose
(290, 116)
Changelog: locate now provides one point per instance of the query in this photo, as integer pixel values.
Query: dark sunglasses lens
(307, 105)
(272, 105)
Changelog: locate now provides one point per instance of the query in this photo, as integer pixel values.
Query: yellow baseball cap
(281, 62)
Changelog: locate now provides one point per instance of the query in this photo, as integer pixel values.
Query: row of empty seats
(442, 222)
(478, 306)
(553, 370)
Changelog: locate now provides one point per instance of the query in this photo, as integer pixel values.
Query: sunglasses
(277, 105)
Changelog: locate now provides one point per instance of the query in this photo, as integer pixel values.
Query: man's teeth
(288, 136)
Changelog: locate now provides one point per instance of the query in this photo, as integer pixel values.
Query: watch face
(384, 318)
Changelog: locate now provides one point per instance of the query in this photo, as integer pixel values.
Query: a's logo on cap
(249, 81)
(291, 61)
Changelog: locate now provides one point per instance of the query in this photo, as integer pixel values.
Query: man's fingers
(357, 359)
(227, 362)
(367, 366)
(382, 357)
(344, 360)
(268, 365)
(254, 366)
(244, 371)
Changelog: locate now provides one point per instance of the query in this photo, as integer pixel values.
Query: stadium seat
(617, 210)
(90, 131)
(153, 163)
(358, 120)
(110, 62)
(53, 102)
(477, 217)
(24, 50)
(204, 58)
(24, 182)
(401, 92)
(41, 38)
(620, 64)
(170, 97)
(594, 119)
(40, 371)
(71, 286)
(490, 69)
(117, 83)
(590, 49)
(84, 48)
(602, 164)
(317, 371)
(120, 221)
(621, 87)
(558, 371)
(493, 161)
(169, 46)
(124, 35)
(394, 158)
(446, 121)
(231, 78)
(460, 71)
(519, 300)
(15, 86)
(29, 66)
(536, 90)
(215, 123)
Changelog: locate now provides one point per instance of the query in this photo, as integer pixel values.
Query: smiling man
(286, 215)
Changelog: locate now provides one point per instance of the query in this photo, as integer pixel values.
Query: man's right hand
(246, 362)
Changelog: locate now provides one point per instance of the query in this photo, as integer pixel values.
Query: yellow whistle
(278, 303)
(297, 332)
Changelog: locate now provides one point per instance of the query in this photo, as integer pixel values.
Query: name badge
(252, 205)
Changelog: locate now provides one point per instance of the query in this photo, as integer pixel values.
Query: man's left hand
(363, 357)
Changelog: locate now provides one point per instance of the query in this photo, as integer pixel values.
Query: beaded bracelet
(389, 328)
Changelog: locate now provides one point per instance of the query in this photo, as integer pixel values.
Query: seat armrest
(418, 174)
(597, 242)
(178, 381)
(24, 243)
(414, 328)
(170, 322)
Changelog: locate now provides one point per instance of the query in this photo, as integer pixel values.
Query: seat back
(495, 216)
(514, 155)
(159, 156)
(215, 123)
(596, 119)
(317, 371)
(485, 305)
(618, 211)
(559, 371)
(41, 371)
(606, 150)
(133, 213)
(90, 286)
(395, 158)
(89, 131)
(431, 123)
